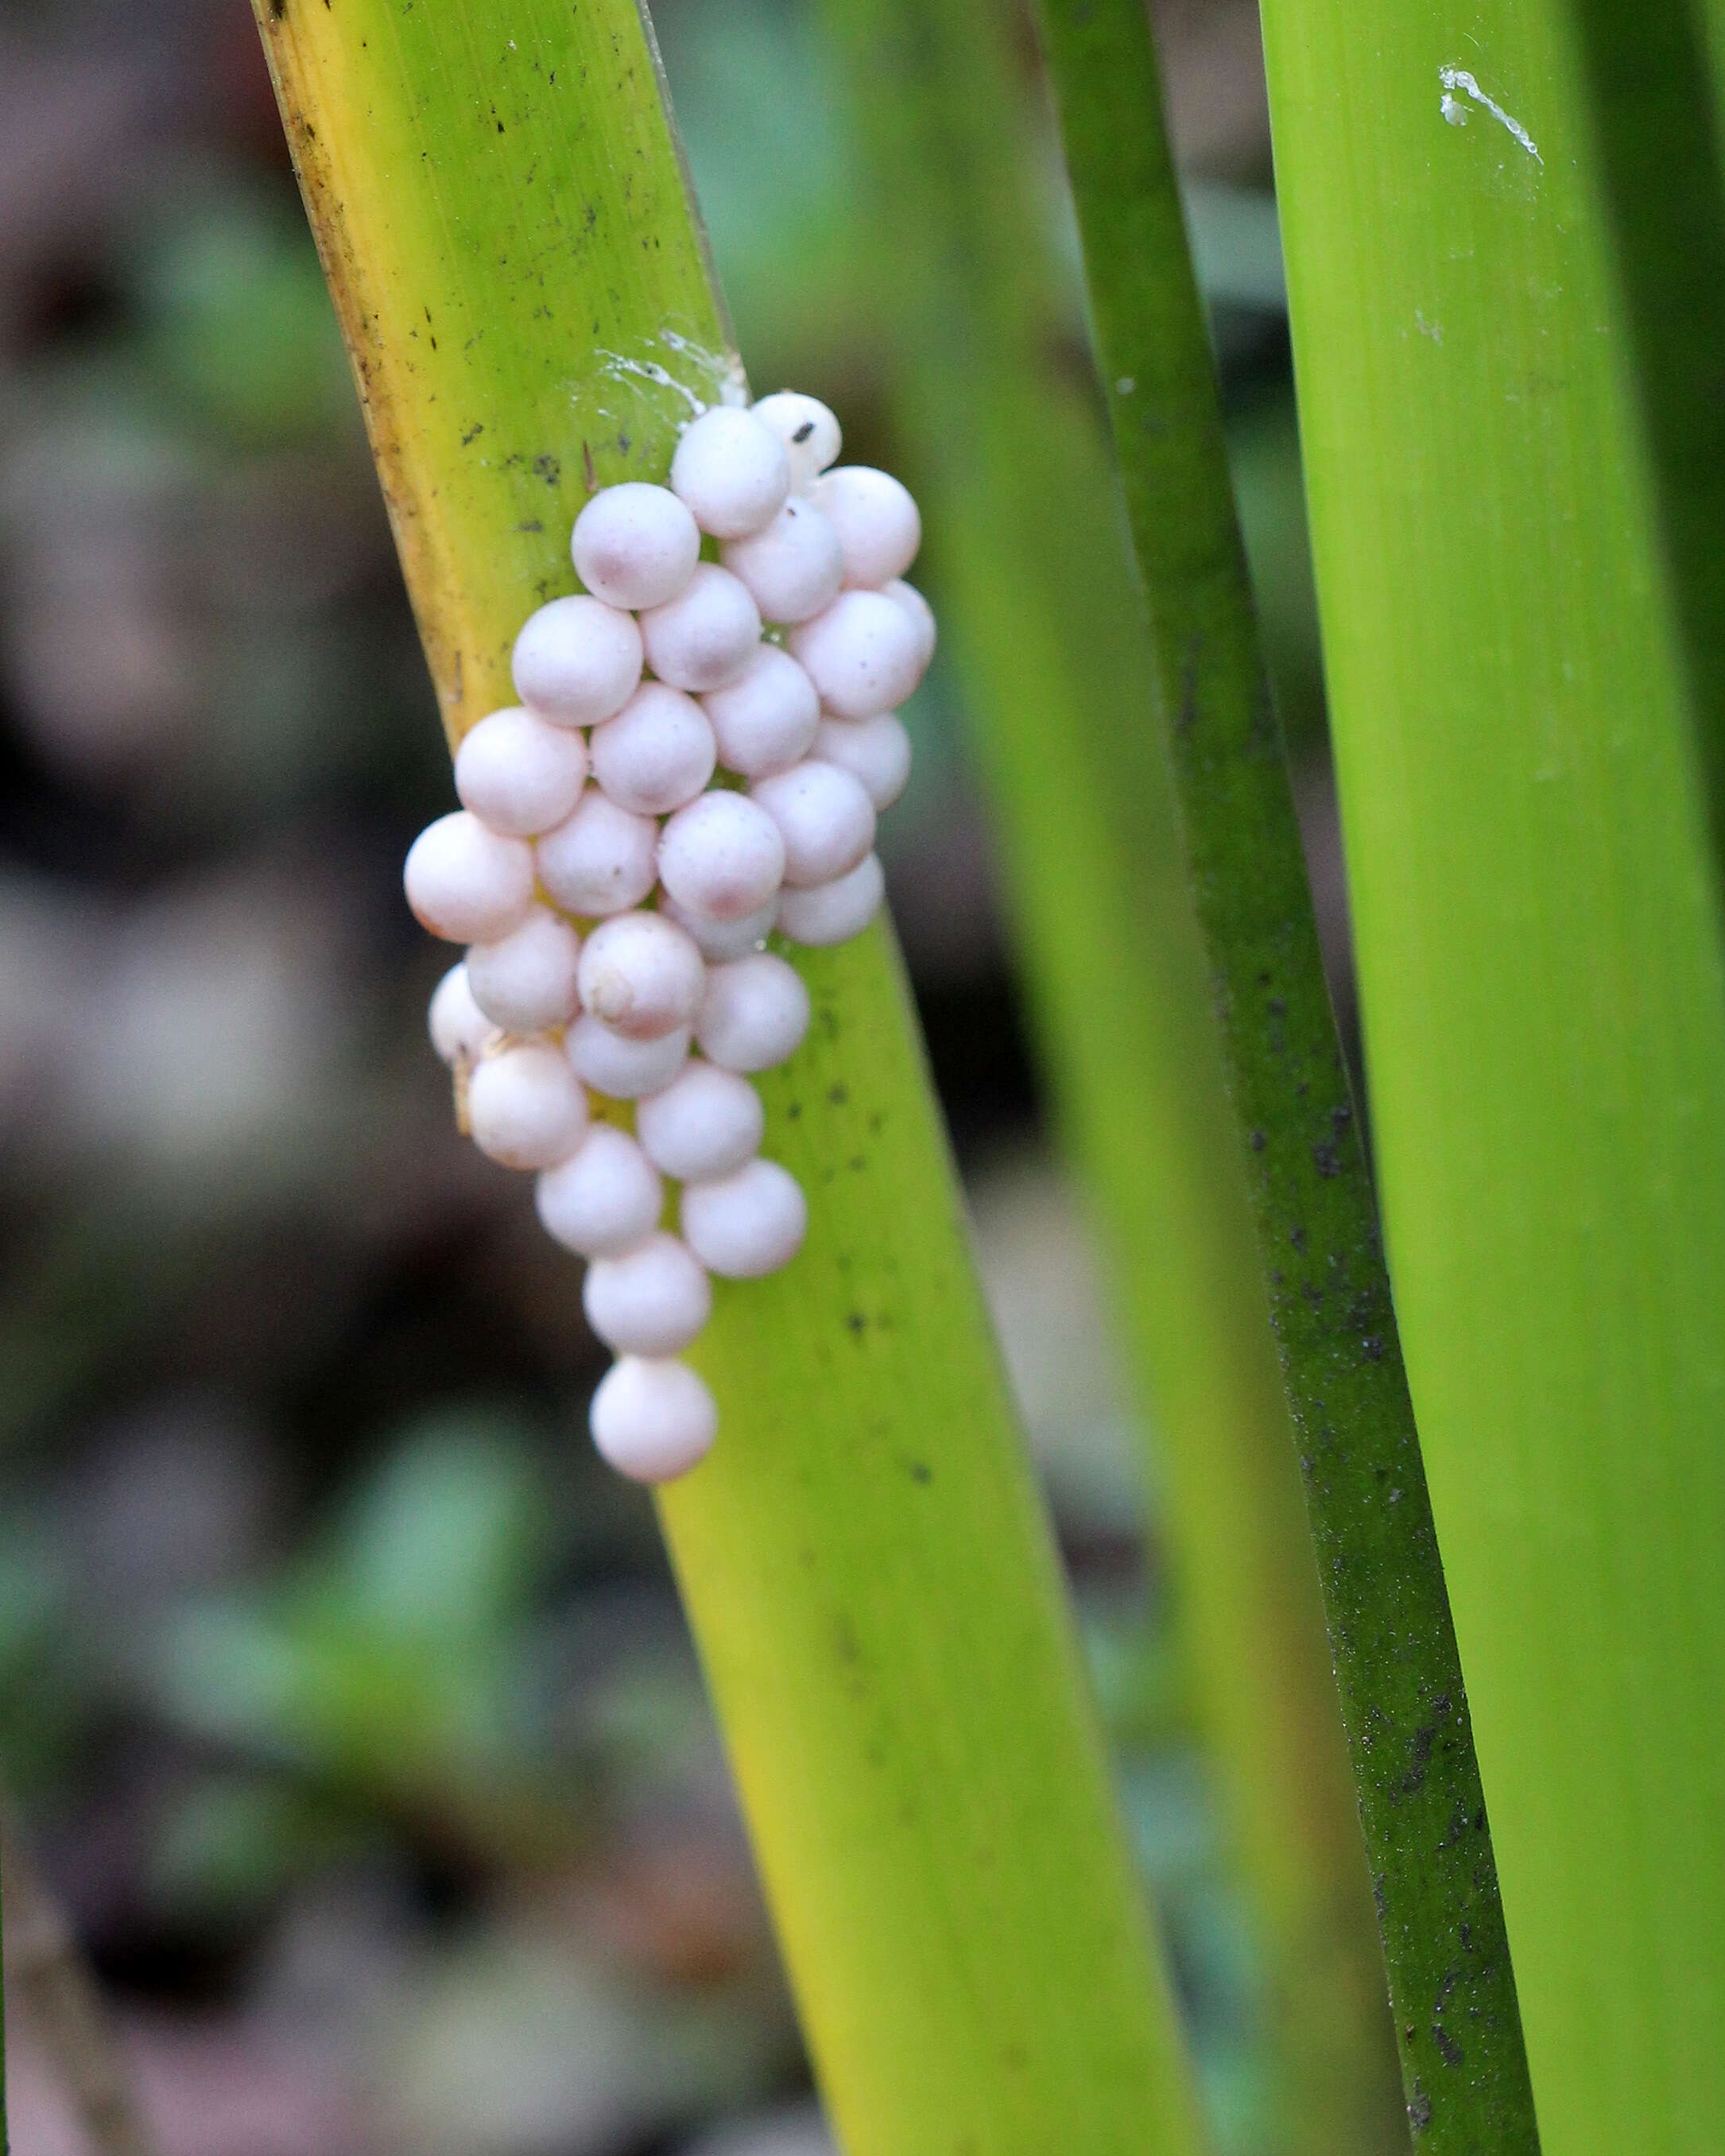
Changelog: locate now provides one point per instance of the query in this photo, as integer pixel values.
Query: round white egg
(600, 860)
(766, 720)
(577, 660)
(619, 1068)
(459, 1029)
(731, 471)
(641, 975)
(748, 1224)
(754, 1013)
(875, 751)
(807, 428)
(525, 980)
(651, 1300)
(525, 1106)
(821, 914)
(465, 883)
(653, 1420)
(634, 546)
(719, 940)
(657, 753)
(722, 857)
(794, 566)
(704, 636)
(877, 524)
(605, 1197)
(863, 654)
(705, 1123)
(518, 774)
(824, 817)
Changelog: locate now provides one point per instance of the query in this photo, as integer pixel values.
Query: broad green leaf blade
(1421, 1808)
(866, 1566)
(1489, 448)
(1045, 620)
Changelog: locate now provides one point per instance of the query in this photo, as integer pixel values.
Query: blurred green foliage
(386, 1666)
(235, 322)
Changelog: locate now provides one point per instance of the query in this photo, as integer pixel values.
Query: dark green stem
(1421, 1805)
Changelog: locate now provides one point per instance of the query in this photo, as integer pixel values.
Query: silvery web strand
(697, 761)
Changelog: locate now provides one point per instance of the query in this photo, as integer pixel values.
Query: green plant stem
(1013, 467)
(1421, 1804)
(1509, 399)
(500, 206)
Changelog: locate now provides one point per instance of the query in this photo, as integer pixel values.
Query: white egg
(704, 636)
(705, 1123)
(599, 860)
(766, 720)
(652, 1299)
(808, 430)
(641, 975)
(748, 1224)
(464, 882)
(653, 1420)
(619, 1068)
(605, 1197)
(875, 751)
(722, 857)
(657, 753)
(577, 660)
(754, 1013)
(863, 654)
(525, 980)
(525, 1106)
(459, 1029)
(518, 773)
(718, 941)
(823, 815)
(731, 471)
(826, 913)
(634, 545)
(793, 566)
(878, 526)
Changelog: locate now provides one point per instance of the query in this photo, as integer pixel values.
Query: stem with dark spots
(1422, 1809)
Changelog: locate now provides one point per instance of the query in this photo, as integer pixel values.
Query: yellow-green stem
(502, 210)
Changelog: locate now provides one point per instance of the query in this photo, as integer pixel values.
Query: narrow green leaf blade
(1508, 571)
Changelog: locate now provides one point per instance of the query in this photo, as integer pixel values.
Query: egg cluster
(676, 781)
